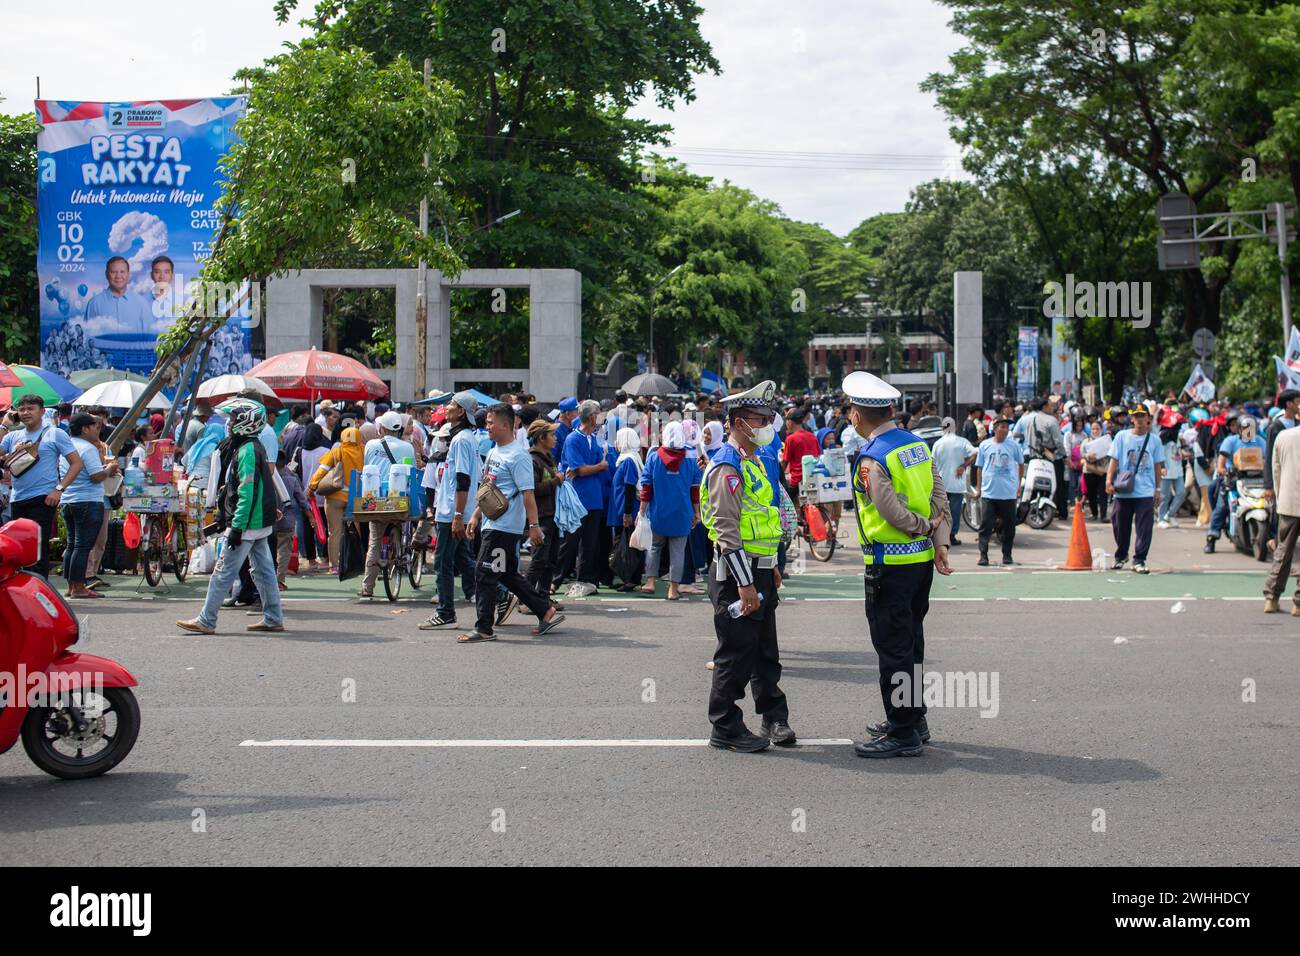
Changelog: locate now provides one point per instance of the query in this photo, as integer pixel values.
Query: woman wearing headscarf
(712, 439)
(313, 448)
(621, 508)
(670, 498)
(352, 453)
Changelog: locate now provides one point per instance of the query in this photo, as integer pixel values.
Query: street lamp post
(653, 289)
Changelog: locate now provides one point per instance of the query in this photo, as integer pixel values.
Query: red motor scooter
(75, 712)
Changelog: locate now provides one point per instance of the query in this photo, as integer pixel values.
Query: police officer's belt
(766, 561)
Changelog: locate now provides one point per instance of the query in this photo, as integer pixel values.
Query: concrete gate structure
(295, 320)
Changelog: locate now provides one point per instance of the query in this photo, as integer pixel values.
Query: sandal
(646, 589)
(546, 626)
(474, 637)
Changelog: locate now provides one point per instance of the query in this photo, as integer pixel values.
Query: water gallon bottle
(399, 479)
(734, 607)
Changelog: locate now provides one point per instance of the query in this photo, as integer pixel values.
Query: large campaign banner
(124, 198)
(1027, 362)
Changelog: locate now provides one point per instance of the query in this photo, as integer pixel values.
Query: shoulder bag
(1126, 479)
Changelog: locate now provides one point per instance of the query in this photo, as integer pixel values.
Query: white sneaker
(1162, 523)
(1172, 522)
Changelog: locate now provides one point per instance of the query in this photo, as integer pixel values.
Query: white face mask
(761, 437)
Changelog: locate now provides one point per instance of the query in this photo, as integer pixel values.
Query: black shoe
(983, 562)
(779, 732)
(953, 543)
(876, 731)
(890, 747)
(1119, 564)
(1209, 545)
(743, 743)
(1007, 561)
(228, 602)
(506, 608)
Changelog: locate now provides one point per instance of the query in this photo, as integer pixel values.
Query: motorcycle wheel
(972, 512)
(59, 751)
(1039, 518)
(181, 553)
(1260, 544)
(152, 553)
(389, 563)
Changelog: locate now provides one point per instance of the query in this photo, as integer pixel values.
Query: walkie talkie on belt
(873, 574)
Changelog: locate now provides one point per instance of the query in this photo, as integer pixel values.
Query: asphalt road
(1153, 731)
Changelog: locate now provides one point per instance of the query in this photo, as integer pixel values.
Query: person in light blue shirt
(83, 503)
(953, 454)
(1247, 437)
(510, 470)
(37, 492)
(1137, 450)
(457, 487)
(999, 466)
(131, 312)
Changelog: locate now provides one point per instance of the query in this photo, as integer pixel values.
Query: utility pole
(421, 287)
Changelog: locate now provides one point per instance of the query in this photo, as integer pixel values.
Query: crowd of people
(608, 494)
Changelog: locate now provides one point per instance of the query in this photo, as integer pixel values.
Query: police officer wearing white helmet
(903, 529)
(744, 533)
(387, 450)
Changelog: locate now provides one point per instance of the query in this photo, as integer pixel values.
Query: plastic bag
(203, 559)
(642, 536)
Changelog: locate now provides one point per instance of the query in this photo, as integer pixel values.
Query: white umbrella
(218, 389)
(119, 394)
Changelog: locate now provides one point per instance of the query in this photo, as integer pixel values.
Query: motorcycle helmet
(1199, 415)
(247, 418)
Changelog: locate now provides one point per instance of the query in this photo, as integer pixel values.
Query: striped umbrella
(7, 377)
(38, 381)
(90, 377)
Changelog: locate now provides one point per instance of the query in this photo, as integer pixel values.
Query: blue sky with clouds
(817, 106)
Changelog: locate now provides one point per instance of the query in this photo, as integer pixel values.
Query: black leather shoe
(983, 562)
(744, 742)
(890, 747)
(779, 732)
(1209, 545)
(876, 731)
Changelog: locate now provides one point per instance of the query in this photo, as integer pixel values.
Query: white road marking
(572, 742)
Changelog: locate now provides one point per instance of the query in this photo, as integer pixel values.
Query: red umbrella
(8, 379)
(307, 376)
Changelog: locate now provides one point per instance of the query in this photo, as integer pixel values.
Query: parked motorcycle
(1250, 516)
(1035, 507)
(75, 713)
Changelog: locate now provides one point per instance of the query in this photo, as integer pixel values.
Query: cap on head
(569, 404)
(390, 422)
(869, 391)
(467, 401)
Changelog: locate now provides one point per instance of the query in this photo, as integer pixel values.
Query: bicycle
(824, 548)
(164, 538)
(399, 558)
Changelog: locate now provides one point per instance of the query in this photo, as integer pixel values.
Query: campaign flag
(125, 220)
(712, 383)
(1027, 362)
(1199, 385)
(1288, 376)
(1293, 349)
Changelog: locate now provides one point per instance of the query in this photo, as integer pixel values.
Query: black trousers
(543, 564)
(1125, 513)
(1095, 488)
(896, 617)
(747, 653)
(43, 515)
(995, 509)
(579, 549)
(498, 564)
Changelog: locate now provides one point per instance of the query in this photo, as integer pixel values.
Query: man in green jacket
(247, 507)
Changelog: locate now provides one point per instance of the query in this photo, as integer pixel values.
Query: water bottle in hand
(734, 607)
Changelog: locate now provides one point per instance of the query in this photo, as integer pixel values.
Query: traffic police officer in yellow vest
(903, 523)
(745, 532)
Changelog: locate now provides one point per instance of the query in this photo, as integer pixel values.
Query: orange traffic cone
(1080, 556)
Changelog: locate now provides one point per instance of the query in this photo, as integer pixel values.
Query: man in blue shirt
(583, 460)
(456, 490)
(1135, 449)
(1247, 437)
(568, 412)
(38, 491)
(999, 466)
(131, 313)
(510, 470)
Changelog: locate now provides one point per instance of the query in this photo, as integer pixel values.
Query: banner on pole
(1199, 385)
(1027, 363)
(1288, 376)
(124, 200)
(1293, 349)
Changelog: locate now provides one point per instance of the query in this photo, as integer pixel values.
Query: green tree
(547, 85)
(19, 283)
(740, 270)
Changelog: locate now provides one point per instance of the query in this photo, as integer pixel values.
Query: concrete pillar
(555, 333)
(293, 314)
(968, 335)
